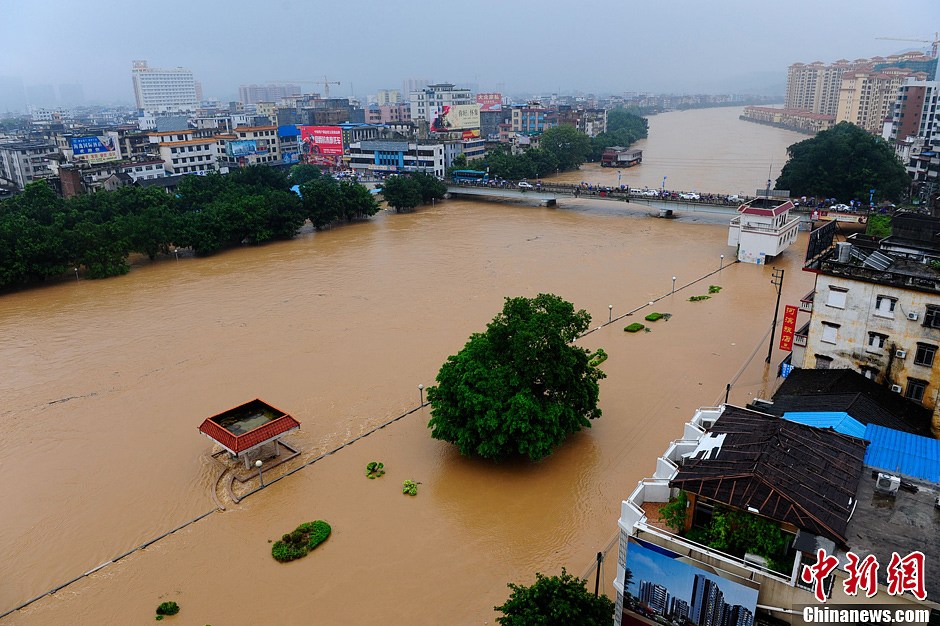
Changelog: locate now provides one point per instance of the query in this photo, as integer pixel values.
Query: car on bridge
(645, 192)
(689, 195)
(525, 185)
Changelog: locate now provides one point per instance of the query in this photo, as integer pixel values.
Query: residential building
(867, 97)
(22, 162)
(369, 158)
(428, 102)
(186, 151)
(915, 132)
(531, 119)
(815, 87)
(388, 113)
(764, 227)
(289, 139)
(593, 122)
(876, 309)
(163, 90)
(915, 61)
(248, 145)
(385, 97)
(820, 487)
(791, 119)
(270, 92)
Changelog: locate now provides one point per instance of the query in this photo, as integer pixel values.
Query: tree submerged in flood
(521, 387)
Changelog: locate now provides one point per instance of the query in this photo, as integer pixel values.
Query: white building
(22, 162)
(163, 90)
(248, 145)
(391, 157)
(763, 229)
(428, 101)
(184, 153)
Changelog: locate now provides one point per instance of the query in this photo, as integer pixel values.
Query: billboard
(321, 145)
(789, 327)
(245, 147)
(663, 585)
(95, 149)
(490, 101)
(454, 117)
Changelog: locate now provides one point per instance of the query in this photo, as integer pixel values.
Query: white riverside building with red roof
(764, 228)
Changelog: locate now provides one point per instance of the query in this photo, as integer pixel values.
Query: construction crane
(326, 84)
(934, 43)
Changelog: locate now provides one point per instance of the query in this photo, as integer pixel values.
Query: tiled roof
(785, 471)
(239, 443)
(857, 405)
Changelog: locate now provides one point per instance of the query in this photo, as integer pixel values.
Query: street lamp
(871, 198)
(721, 262)
(258, 464)
(663, 194)
(618, 177)
(610, 313)
(673, 284)
(176, 251)
(421, 394)
(76, 273)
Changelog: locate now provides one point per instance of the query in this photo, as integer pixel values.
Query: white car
(840, 207)
(688, 195)
(645, 192)
(525, 185)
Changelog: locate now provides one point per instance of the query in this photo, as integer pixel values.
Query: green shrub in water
(635, 327)
(303, 539)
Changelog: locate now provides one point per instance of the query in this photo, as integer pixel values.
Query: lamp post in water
(610, 313)
(673, 284)
(421, 394)
(258, 464)
(721, 262)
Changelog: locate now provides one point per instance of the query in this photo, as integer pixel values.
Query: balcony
(806, 302)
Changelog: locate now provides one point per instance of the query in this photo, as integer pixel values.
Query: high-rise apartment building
(815, 87)
(387, 96)
(270, 92)
(427, 102)
(867, 97)
(163, 90)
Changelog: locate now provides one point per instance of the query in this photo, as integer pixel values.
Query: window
(829, 332)
(925, 354)
(884, 306)
(915, 389)
(823, 362)
(932, 316)
(837, 297)
(869, 372)
(876, 341)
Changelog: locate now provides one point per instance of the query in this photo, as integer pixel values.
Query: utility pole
(778, 281)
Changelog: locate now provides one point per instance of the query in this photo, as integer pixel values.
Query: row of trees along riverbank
(43, 236)
(561, 149)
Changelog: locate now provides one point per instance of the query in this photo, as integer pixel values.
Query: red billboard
(789, 327)
(321, 145)
(490, 101)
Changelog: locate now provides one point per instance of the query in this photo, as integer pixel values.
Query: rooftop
(248, 425)
(782, 470)
(853, 403)
(909, 521)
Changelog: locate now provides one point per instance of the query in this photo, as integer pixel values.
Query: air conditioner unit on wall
(912, 316)
(896, 388)
(886, 483)
(901, 354)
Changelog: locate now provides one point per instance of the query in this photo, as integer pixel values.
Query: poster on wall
(454, 117)
(665, 587)
(490, 101)
(245, 148)
(321, 145)
(95, 149)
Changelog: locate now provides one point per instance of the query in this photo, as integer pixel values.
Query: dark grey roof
(859, 406)
(779, 469)
(813, 382)
(166, 181)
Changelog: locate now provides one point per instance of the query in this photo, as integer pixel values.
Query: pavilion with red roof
(245, 428)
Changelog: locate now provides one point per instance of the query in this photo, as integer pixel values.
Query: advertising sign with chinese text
(789, 327)
(456, 117)
(321, 145)
(490, 101)
(245, 147)
(95, 149)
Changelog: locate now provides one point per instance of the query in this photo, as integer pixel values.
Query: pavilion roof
(256, 436)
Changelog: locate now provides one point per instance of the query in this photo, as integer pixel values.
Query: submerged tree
(555, 601)
(521, 387)
(844, 162)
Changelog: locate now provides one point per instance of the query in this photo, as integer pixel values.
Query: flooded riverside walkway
(339, 328)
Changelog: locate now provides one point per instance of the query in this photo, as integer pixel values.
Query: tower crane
(934, 43)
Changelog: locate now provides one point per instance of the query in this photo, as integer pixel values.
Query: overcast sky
(513, 46)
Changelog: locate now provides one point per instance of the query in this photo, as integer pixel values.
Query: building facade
(270, 92)
(248, 145)
(763, 229)
(163, 90)
(22, 162)
(425, 103)
(867, 98)
(369, 158)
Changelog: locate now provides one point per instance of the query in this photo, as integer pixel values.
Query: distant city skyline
(732, 46)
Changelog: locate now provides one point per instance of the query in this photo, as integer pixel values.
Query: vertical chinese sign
(789, 327)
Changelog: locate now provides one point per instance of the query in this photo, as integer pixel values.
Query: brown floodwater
(106, 381)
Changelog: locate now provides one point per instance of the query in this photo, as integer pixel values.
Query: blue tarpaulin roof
(903, 453)
(840, 421)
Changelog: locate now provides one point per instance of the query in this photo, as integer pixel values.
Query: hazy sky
(515, 46)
